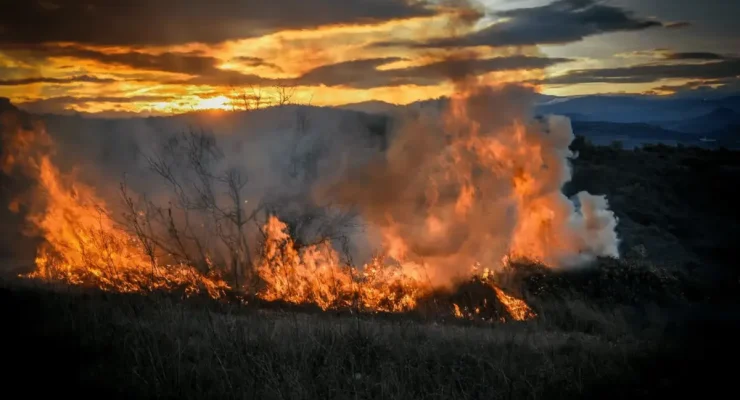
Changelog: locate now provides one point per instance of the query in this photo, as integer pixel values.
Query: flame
(483, 187)
(315, 275)
(517, 308)
(482, 193)
(83, 246)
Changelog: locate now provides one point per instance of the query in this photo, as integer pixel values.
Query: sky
(167, 56)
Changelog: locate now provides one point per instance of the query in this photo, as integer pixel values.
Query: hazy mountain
(636, 108)
(717, 120)
(371, 107)
(605, 118)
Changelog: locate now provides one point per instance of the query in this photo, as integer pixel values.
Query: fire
(315, 275)
(84, 246)
(483, 186)
(517, 308)
(480, 189)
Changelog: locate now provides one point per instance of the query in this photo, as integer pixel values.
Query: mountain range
(632, 119)
(635, 119)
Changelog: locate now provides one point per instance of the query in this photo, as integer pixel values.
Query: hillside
(637, 108)
(632, 135)
(718, 119)
(371, 107)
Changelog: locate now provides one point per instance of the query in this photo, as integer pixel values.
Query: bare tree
(256, 93)
(250, 98)
(284, 91)
(210, 210)
(203, 191)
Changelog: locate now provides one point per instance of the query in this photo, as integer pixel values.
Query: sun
(214, 103)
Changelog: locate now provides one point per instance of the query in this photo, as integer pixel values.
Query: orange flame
(84, 246)
(488, 189)
(315, 275)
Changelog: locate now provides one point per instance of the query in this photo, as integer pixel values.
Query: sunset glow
(214, 103)
(395, 51)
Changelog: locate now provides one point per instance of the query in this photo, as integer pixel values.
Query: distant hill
(674, 113)
(371, 107)
(635, 130)
(717, 120)
(633, 135)
(636, 108)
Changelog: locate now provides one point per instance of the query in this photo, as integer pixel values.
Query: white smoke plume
(477, 185)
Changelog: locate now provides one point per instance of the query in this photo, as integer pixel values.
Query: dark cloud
(724, 69)
(166, 22)
(364, 74)
(227, 78)
(58, 104)
(703, 87)
(358, 73)
(677, 24)
(71, 79)
(192, 63)
(257, 62)
(694, 56)
(562, 21)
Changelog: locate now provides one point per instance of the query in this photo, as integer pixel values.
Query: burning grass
(84, 246)
(468, 189)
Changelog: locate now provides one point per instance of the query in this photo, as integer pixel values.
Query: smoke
(279, 154)
(477, 184)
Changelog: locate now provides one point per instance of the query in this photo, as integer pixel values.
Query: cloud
(226, 78)
(666, 54)
(719, 87)
(724, 69)
(71, 79)
(165, 22)
(365, 73)
(677, 24)
(257, 62)
(62, 103)
(562, 21)
(191, 63)
(693, 56)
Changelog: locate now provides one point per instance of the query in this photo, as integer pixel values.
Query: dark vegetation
(677, 209)
(70, 342)
(663, 320)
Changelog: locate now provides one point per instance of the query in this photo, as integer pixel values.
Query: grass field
(663, 320)
(82, 342)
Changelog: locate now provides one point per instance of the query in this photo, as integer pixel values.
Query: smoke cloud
(477, 184)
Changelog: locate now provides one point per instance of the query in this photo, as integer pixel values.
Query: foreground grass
(82, 343)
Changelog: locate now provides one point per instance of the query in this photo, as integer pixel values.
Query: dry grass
(156, 347)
